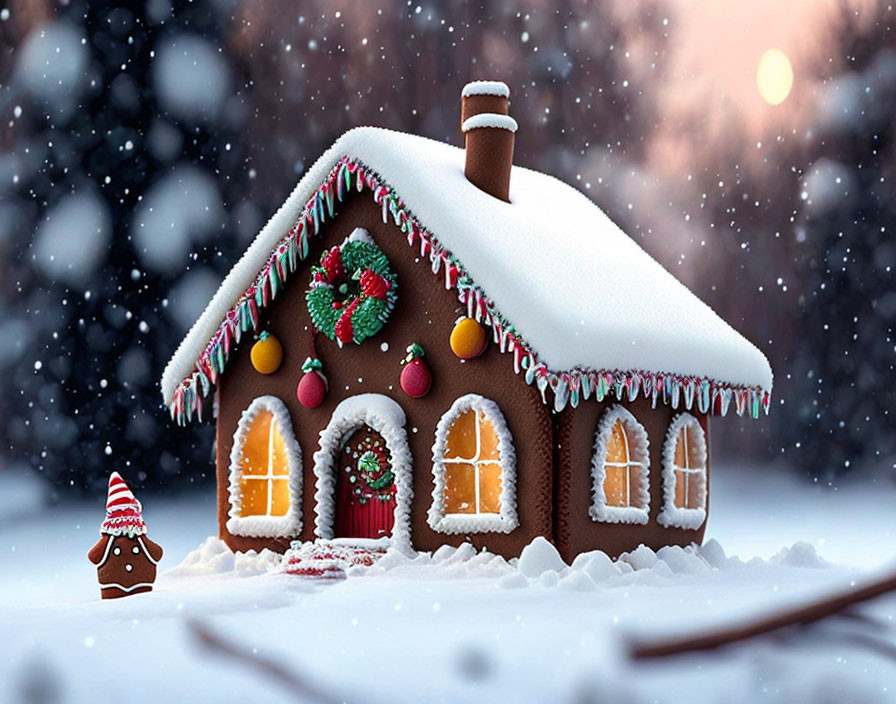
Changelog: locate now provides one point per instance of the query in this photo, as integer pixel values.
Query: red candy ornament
(374, 285)
(312, 388)
(332, 263)
(345, 332)
(416, 379)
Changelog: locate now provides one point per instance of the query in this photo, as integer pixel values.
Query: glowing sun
(774, 76)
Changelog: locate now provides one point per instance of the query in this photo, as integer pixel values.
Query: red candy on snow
(416, 379)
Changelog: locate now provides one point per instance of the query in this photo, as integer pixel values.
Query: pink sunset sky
(716, 46)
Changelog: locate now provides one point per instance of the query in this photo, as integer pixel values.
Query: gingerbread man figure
(125, 558)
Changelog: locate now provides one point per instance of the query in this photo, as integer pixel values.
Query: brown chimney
(489, 134)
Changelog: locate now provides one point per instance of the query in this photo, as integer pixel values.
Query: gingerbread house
(427, 345)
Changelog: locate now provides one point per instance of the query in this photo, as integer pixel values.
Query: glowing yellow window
(620, 469)
(472, 465)
(685, 465)
(618, 465)
(689, 468)
(264, 468)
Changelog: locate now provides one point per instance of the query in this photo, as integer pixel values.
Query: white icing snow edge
(539, 564)
(506, 520)
(489, 119)
(498, 88)
(495, 242)
(638, 445)
(672, 515)
(386, 417)
(290, 524)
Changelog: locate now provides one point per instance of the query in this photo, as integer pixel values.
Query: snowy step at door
(325, 559)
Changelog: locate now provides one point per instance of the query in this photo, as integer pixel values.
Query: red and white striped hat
(124, 514)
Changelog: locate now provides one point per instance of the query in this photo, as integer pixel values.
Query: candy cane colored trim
(183, 391)
(387, 418)
(290, 524)
(672, 515)
(639, 456)
(506, 520)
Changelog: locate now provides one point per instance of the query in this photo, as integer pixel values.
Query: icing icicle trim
(568, 387)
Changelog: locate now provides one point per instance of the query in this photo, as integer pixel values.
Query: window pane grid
(269, 477)
(687, 470)
(621, 470)
(476, 462)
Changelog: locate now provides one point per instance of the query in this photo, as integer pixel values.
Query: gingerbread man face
(125, 565)
(125, 557)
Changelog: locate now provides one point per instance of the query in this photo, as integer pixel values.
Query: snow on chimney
(489, 134)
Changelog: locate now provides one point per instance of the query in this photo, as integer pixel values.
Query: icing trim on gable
(569, 387)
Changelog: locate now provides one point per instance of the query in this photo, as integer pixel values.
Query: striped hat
(124, 514)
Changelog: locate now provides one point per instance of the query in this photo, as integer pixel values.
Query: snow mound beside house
(539, 564)
(800, 554)
(214, 557)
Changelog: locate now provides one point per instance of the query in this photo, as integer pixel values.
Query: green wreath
(352, 292)
(369, 466)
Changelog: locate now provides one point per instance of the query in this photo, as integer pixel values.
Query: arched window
(474, 470)
(620, 469)
(684, 474)
(265, 473)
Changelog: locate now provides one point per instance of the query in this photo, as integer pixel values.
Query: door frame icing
(387, 418)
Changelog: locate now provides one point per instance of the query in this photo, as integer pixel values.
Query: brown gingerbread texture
(125, 558)
(559, 479)
(553, 485)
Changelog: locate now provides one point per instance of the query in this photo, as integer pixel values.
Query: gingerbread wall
(425, 313)
(575, 531)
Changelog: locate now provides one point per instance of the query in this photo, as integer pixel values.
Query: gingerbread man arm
(154, 549)
(97, 551)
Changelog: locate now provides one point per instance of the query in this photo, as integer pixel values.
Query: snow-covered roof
(574, 293)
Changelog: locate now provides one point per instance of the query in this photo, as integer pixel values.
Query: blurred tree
(580, 74)
(146, 138)
(843, 366)
(805, 215)
(123, 154)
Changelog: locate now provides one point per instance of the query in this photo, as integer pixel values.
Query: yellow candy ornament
(266, 354)
(468, 339)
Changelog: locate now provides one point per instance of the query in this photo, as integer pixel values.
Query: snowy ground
(453, 631)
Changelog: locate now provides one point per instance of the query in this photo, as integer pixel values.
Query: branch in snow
(293, 681)
(800, 616)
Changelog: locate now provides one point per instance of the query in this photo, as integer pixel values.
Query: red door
(365, 486)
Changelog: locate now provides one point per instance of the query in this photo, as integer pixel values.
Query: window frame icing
(290, 524)
(506, 520)
(673, 516)
(638, 455)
